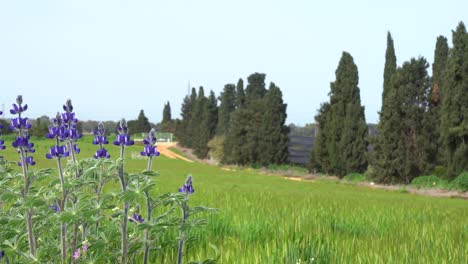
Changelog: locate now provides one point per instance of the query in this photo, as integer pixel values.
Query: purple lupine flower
(55, 208)
(19, 123)
(21, 126)
(29, 160)
(187, 188)
(1, 141)
(2, 254)
(101, 140)
(1, 126)
(122, 137)
(84, 247)
(69, 122)
(137, 218)
(23, 142)
(56, 152)
(101, 153)
(150, 145)
(18, 108)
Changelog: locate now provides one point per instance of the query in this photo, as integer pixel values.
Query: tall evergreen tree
(432, 121)
(255, 89)
(184, 131)
(320, 159)
(455, 107)
(400, 150)
(227, 106)
(346, 143)
(197, 125)
(240, 94)
(212, 117)
(167, 113)
(142, 124)
(274, 139)
(390, 66)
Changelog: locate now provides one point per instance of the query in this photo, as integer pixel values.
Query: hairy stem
(125, 208)
(63, 226)
(148, 210)
(29, 224)
(180, 252)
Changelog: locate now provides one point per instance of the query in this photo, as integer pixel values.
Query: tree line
(248, 126)
(423, 124)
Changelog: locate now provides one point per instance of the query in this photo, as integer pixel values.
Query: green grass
(267, 219)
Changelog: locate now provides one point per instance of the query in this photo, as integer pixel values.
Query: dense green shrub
(355, 177)
(461, 182)
(431, 181)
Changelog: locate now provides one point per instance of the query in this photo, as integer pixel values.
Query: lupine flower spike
(101, 140)
(123, 138)
(1, 141)
(150, 145)
(187, 188)
(21, 126)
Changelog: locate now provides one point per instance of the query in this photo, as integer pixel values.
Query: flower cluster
(57, 152)
(187, 188)
(101, 139)
(80, 251)
(1, 141)
(69, 123)
(150, 145)
(137, 218)
(123, 138)
(57, 130)
(21, 126)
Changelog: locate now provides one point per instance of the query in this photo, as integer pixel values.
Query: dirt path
(406, 188)
(163, 148)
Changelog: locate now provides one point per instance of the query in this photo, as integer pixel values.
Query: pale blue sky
(113, 58)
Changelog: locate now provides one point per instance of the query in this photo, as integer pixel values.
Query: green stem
(63, 226)
(125, 208)
(180, 253)
(148, 209)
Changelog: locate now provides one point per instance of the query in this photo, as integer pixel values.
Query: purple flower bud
(137, 218)
(29, 160)
(123, 139)
(57, 152)
(19, 123)
(187, 188)
(2, 254)
(101, 153)
(55, 208)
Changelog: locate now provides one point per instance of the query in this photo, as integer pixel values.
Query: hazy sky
(113, 58)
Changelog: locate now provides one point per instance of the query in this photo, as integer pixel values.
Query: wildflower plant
(96, 226)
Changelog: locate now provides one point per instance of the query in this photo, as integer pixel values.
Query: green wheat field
(268, 219)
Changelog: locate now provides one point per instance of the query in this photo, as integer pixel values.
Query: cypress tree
(142, 124)
(432, 121)
(167, 113)
(226, 107)
(184, 131)
(273, 143)
(240, 94)
(197, 125)
(212, 117)
(346, 147)
(255, 89)
(454, 110)
(320, 159)
(390, 66)
(401, 147)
